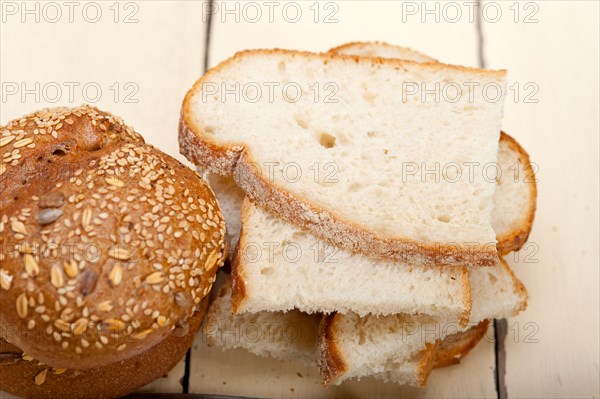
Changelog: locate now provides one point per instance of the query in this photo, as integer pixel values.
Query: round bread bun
(108, 244)
(22, 376)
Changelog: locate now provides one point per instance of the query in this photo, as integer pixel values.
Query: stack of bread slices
(342, 223)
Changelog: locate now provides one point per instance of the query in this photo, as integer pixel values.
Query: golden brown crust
(514, 240)
(109, 243)
(426, 363)
(456, 346)
(329, 357)
(238, 285)
(346, 46)
(467, 297)
(233, 159)
(115, 380)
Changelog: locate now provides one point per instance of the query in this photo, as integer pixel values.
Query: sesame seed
(22, 306)
(59, 371)
(2, 168)
(41, 377)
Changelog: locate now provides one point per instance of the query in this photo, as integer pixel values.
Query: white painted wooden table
(143, 55)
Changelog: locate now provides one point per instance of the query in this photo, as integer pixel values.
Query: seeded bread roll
(21, 375)
(109, 244)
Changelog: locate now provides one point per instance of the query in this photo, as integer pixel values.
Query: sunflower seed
(9, 358)
(49, 215)
(87, 282)
(182, 299)
(54, 199)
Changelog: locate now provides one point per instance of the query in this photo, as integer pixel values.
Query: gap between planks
(185, 380)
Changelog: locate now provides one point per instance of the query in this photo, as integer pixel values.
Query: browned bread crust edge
(514, 240)
(344, 46)
(329, 358)
(456, 346)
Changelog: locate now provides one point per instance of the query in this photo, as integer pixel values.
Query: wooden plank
(302, 25)
(143, 64)
(552, 348)
(150, 57)
(237, 372)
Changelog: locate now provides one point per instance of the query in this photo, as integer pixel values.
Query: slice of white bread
(279, 267)
(383, 50)
(230, 198)
(371, 129)
(289, 336)
(353, 347)
(293, 336)
(516, 189)
(514, 199)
